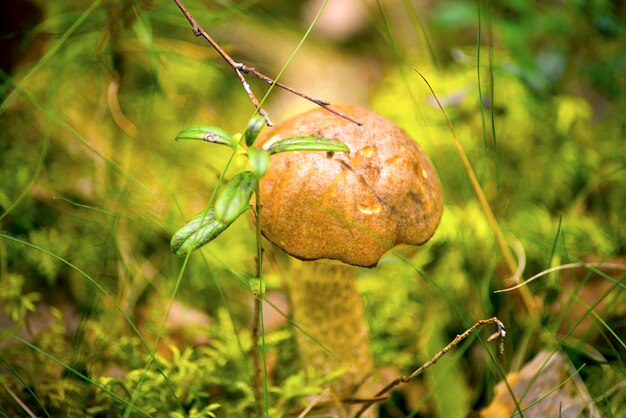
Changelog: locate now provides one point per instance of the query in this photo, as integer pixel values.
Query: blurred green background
(92, 187)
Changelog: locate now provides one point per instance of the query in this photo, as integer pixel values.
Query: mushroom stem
(328, 308)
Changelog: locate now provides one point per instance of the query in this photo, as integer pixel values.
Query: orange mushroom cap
(348, 207)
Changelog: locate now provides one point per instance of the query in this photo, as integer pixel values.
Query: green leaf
(200, 230)
(259, 161)
(308, 143)
(234, 198)
(254, 127)
(206, 133)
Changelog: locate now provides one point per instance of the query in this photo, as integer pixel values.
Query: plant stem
(260, 379)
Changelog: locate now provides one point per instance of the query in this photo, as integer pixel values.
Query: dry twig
(403, 379)
(241, 69)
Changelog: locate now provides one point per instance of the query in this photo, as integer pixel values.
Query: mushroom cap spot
(349, 207)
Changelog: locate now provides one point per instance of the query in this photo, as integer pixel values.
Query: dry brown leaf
(547, 386)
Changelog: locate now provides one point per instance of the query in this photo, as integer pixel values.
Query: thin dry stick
(403, 379)
(20, 403)
(308, 409)
(564, 267)
(529, 302)
(316, 403)
(240, 69)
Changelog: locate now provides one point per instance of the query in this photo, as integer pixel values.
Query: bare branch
(403, 379)
(241, 69)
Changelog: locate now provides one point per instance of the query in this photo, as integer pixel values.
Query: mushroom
(350, 209)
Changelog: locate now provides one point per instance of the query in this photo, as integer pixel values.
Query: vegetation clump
(99, 318)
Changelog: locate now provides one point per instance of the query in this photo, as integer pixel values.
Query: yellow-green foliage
(93, 185)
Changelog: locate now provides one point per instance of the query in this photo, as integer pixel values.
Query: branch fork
(241, 69)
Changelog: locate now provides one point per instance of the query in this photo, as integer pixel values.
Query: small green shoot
(232, 201)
